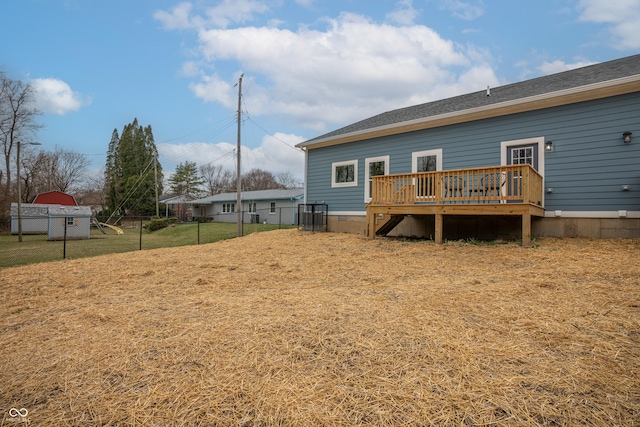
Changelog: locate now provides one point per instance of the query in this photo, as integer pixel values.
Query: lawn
(36, 248)
(287, 328)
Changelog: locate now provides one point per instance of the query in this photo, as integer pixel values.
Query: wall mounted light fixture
(626, 137)
(548, 146)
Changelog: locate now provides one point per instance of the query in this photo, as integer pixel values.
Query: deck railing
(499, 184)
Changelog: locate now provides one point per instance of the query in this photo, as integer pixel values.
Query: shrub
(159, 223)
(203, 219)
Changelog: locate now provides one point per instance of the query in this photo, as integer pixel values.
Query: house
(177, 205)
(55, 198)
(557, 155)
(262, 206)
(56, 221)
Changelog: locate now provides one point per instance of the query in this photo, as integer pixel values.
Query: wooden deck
(499, 190)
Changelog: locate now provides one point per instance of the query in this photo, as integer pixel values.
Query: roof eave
(593, 91)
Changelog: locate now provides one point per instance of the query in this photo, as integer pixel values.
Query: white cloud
(177, 19)
(405, 14)
(276, 151)
(345, 71)
(558, 66)
(467, 10)
(54, 96)
(220, 16)
(622, 17)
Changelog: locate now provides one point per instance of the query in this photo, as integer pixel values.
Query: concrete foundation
(492, 227)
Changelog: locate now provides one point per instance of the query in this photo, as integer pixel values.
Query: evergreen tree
(129, 172)
(186, 181)
(112, 176)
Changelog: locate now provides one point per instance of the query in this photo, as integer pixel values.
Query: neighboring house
(557, 155)
(52, 220)
(177, 205)
(55, 198)
(263, 206)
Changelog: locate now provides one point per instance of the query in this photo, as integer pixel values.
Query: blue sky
(310, 66)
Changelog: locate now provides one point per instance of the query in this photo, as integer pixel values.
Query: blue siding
(587, 168)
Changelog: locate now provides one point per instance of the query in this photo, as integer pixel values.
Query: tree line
(133, 176)
(211, 179)
(40, 170)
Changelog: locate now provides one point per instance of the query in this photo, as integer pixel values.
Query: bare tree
(66, 169)
(216, 179)
(258, 179)
(92, 192)
(59, 170)
(17, 124)
(288, 180)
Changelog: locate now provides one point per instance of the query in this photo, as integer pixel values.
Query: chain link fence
(45, 238)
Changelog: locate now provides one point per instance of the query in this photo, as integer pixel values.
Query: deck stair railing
(498, 184)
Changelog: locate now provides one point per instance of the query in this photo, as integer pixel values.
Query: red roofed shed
(55, 198)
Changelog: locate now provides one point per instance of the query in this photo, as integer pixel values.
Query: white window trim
(414, 158)
(504, 146)
(275, 208)
(334, 165)
(385, 159)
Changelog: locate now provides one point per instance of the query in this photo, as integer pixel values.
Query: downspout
(306, 163)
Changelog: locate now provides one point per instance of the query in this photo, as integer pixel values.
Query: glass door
(520, 155)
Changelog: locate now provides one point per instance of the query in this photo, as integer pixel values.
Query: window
(252, 207)
(522, 155)
(272, 207)
(426, 161)
(71, 221)
(374, 166)
(228, 207)
(344, 174)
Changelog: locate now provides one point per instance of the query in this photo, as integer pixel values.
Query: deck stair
(389, 224)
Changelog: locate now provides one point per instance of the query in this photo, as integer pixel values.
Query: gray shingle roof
(28, 209)
(597, 73)
(289, 194)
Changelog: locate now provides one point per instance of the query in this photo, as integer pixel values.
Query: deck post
(526, 230)
(438, 226)
(371, 225)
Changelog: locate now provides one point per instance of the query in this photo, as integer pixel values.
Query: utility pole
(155, 173)
(239, 170)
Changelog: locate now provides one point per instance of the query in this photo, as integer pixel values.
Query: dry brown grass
(290, 328)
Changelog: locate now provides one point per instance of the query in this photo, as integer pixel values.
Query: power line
(272, 135)
(230, 122)
(226, 119)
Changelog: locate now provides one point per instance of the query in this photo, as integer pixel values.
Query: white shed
(76, 220)
(51, 220)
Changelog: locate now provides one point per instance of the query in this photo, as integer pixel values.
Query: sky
(308, 66)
